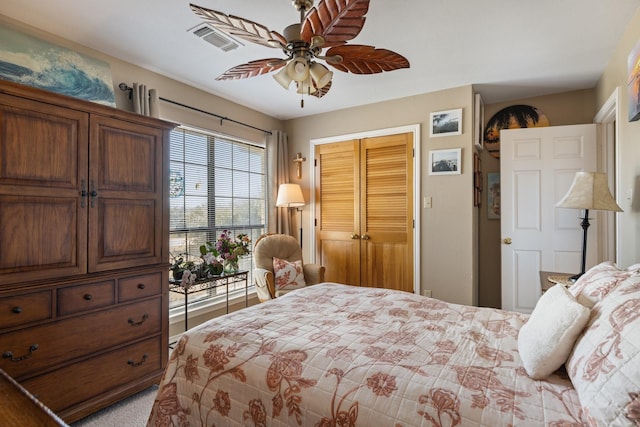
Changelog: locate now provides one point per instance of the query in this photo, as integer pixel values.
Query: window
(216, 183)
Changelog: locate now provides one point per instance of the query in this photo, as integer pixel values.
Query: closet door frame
(415, 131)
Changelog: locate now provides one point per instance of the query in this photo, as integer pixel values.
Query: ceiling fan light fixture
(306, 87)
(292, 32)
(298, 69)
(282, 77)
(320, 74)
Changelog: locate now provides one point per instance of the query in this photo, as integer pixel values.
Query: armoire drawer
(26, 352)
(78, 298)
(25, 308)
(132, 288)
(93, 377)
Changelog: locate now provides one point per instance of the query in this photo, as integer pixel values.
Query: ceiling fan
(329, 25)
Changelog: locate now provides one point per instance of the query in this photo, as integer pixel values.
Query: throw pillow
(599, 280)
(603, 366)
(545, 341)
(288, 275)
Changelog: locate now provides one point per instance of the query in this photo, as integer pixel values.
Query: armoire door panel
(126, 174)
(40, 235)
(118, 243)
(126, 158)
(41, 147)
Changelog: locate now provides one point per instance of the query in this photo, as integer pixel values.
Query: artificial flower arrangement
(226, 249)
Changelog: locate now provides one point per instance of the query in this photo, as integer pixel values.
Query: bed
(336, 355)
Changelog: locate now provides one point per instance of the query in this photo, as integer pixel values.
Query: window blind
(216, 183)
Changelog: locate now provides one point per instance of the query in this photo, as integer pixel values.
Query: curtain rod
(124, 87)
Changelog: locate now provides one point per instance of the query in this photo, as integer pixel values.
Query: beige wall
(615, 76)
(170, 89)
(447, 242)
(568, 108)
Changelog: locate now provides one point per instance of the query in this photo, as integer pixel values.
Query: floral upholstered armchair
(279, 267)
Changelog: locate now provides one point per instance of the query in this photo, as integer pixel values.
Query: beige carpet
(130, 412)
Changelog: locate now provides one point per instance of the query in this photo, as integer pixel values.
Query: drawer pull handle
(9, 355)
(17, 310)
(141, 286)
(88, 297)
(136, 364)
(134, 323)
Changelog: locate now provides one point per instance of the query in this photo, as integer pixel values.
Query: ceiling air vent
(215, 37)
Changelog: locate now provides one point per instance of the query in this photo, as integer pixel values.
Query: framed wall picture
(445, 162)
(446, 123)
(633, 83)
(478, 122)
(493, 195)
(35, 62)
(513, 117)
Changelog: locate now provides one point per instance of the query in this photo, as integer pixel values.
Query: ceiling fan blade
(252, 69)
(239, 27)
(336, 20)
(361, 59)
(319, 93)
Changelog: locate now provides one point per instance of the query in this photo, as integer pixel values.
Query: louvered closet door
(338, 211)
(386, 213)
(364, 211)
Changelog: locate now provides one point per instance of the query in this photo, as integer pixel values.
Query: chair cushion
(545, 341)
(288, 274)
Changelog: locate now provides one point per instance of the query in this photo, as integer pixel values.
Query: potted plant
(177, 267)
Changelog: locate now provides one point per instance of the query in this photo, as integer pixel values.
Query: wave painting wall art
(35, 62)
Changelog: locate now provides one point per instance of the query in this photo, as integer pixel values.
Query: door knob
(354, 236)
(507, 240)
(365, 237)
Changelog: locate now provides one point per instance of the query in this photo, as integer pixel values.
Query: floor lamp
(589, 190)
(290, 196)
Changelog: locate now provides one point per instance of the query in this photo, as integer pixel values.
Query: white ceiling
(509, 48)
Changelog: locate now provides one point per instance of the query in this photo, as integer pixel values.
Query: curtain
(145, 101)
(277, 158)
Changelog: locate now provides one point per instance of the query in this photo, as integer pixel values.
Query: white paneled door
(537, 166)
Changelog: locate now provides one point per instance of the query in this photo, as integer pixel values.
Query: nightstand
(550, 278)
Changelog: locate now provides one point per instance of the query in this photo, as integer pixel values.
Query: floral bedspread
(336, 355)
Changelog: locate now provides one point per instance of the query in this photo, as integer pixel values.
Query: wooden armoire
(83, 241)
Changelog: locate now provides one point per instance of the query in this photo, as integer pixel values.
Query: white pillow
(288, 275)
(546, 340)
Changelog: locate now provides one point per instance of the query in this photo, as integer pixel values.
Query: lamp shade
(298, 69)
(283, 78)
(320, 75)
(289, 196)
(589, 190)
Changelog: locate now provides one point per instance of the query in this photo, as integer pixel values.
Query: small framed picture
(478, 122)
(446, 123)
(493, 195)
(445, 162)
